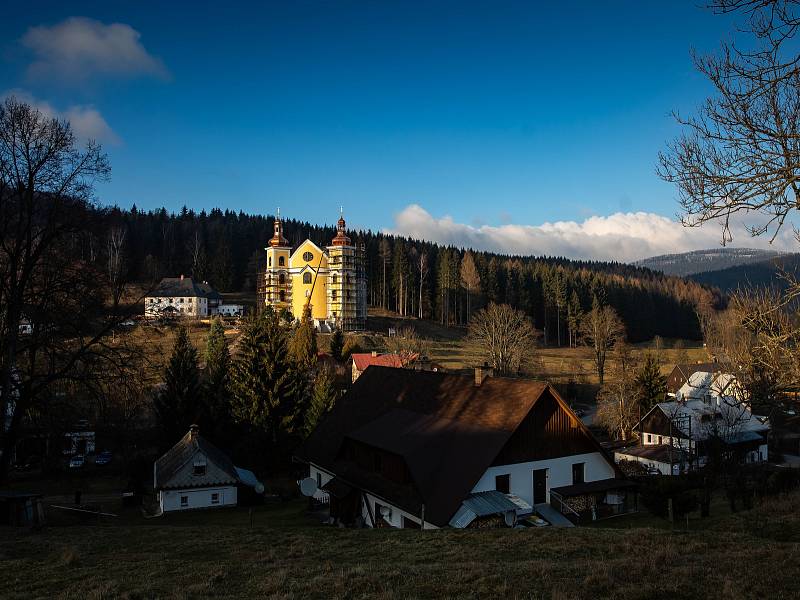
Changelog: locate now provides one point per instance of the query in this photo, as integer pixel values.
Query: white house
(415, 449)
(195, 474)
(708, 408)
(182, 297)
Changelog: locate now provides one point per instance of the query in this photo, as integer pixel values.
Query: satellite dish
(259, 488)
(308, 486)
(510, 518)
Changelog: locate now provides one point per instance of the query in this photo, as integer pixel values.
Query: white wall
(661, 467)
(170, 500)
(396, 519)
(559, 474)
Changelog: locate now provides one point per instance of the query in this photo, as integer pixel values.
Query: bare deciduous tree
(504, 336)
(741, 153)
(116, 264)
(408, 345)
(470, 279)
(423, 268)
(618, 400)
(46, 224)
(601, 329)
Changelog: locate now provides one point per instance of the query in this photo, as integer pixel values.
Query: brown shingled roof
(447, 429)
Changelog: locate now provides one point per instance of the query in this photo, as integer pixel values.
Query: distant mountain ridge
(763, 274)
(704, 261)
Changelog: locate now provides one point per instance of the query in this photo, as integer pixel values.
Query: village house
(195, 474)
(412, 449)
(681, 373)
(710, 410)
(362, 360)
(182, 297)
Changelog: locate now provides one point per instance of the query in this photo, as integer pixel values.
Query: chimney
(482, 373)
(374, 354)
(194, 431)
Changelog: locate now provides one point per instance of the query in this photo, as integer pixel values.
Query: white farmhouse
(182, 297)
(709, 409)
(424, 449)
(195, 474)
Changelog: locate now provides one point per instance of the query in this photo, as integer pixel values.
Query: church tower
(278, 283)
(346, 293)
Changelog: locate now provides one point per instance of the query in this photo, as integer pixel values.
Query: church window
(282, 296)
(281, 278)
(334, 278)
(333, 294)
(308, 257)
(307, 277)
(281, 261)
(269, 261)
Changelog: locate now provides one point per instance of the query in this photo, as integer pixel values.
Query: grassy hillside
(217, 554)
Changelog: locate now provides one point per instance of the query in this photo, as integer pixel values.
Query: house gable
(656, 422)
(550, 430)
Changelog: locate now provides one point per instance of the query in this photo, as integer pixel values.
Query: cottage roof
(184, 287)
(447, 430)
(719, 417)
(174, 469)
(364, 360)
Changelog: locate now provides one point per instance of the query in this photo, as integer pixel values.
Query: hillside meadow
(286, 555)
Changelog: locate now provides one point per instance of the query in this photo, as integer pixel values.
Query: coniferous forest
(418, 278)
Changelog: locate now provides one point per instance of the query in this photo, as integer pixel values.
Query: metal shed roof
(482, 504)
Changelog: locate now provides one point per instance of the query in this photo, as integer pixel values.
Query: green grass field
(285, 555)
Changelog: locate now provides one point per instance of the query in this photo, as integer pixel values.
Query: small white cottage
(195, 474)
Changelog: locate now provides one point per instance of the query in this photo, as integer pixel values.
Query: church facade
(331, 281)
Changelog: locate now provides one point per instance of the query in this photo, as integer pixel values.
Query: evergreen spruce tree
(652, 385)
(217, 380)
(323, 396)
(337, 344)
(261, 382)
(303, 347)
(178, 405)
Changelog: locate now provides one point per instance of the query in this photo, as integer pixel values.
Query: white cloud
(86, 121)
(623, 237)
(79, 47)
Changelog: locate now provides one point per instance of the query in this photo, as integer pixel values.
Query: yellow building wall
(299, 264)
(273, 269)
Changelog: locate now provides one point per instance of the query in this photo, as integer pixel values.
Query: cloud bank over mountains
(622, 237)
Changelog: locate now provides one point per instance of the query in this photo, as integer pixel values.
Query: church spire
(278, 241)
(341, 238)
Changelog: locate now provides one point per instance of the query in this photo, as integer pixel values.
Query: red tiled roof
(362, 361)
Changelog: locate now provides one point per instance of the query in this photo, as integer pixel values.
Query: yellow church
(331, 281)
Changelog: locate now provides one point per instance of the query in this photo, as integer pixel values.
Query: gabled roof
(364, 360)
(447, 430)
(170, 469)
(184, 287)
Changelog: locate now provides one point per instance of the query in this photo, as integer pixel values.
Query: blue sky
(496, 114)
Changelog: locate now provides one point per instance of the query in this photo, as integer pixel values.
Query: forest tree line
(418, 278)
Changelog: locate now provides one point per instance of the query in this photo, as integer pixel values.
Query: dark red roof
(447, 430)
